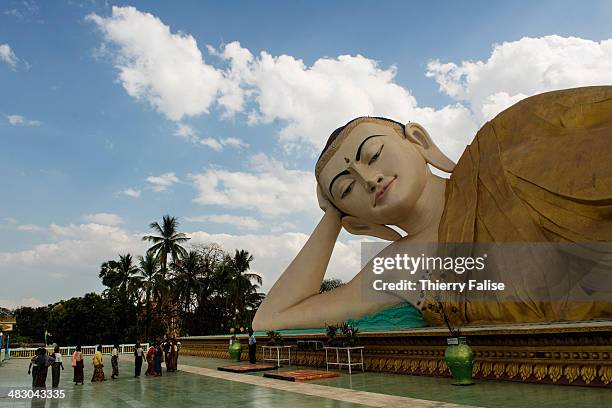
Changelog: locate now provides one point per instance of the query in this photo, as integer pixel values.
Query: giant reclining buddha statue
(539, 172)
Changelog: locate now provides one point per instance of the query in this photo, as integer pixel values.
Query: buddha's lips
(383, 190)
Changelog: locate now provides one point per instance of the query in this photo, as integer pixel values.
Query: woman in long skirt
(33, 367)
(41, 365)
(98, 374)
(150, 357)
(177, 348)
(138, 356)
(77, 364)
(115, 361)
(159, 357)
(171, 363)
(55, 368)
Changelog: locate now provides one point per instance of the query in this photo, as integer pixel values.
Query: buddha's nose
(373, 183)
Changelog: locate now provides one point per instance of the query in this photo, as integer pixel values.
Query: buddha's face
(375, 175)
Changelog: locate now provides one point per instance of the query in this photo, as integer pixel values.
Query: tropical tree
(186, 279)
(120, 275)
(152, 286)
(167, 242)
(241, 286)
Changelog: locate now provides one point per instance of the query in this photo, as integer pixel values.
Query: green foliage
(31, 322)
(341, 335)
(330, 284)
(82, 320)
(169, 291)
(275, 338)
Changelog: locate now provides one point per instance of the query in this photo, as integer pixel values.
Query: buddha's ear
(357, 226)
(429, 150)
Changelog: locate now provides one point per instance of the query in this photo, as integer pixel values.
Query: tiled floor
(200, 384)
(490, 394)
(179, 389)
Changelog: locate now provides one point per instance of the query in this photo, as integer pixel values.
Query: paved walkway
(200, 384)
(370, 399)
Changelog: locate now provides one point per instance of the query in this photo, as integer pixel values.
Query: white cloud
(29, 228)
(17, 120)
(68, 264)
(168, 71)
(218, 144)
(185, 131)
(131, 192)
(239, 222)
(164, 69)
(309, 101)
(8, 56)
(14, 13)
(314, 100)
(522, 68)
(162, 182)
(212, 143)
(104, 219)
(25, 301)
(270, 188)
(234, 142)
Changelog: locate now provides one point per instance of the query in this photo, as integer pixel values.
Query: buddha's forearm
(304, 275)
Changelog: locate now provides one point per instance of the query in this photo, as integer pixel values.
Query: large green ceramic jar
(460, 360)
(235, 349)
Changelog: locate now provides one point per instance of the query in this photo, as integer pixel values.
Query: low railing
(29, 352)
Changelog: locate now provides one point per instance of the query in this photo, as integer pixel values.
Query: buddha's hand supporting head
(374, 171)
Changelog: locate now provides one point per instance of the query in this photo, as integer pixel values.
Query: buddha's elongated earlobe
(426, 146)
(357, 226)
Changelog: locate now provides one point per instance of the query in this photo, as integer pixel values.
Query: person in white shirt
(138, 357)
(115, 361)
(55, 368)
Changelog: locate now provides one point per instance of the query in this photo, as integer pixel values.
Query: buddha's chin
(391, 212)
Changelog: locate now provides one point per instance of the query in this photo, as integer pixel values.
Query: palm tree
(187, 279)
(152, 284)
(243, 285)
(119, 274)
(168, 242)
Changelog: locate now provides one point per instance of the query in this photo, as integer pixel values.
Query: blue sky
(228, 142)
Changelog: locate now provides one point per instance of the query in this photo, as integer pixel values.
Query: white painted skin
(390, 184)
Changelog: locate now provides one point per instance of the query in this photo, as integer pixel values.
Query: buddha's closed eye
(348, 189)
(376, 155)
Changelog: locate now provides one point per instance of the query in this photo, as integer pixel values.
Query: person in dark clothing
(166, 347)
(138, 357)
(115, 361)
(158, 359)
(41, 365)
(78, 365)
(252, 347)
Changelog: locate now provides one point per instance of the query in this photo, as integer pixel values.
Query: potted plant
(350, 334)
(235, 348)
(332, 336)
(458, 355)
(274, 338)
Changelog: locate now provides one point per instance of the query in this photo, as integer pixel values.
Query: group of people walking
(156, 354)
(39, 367)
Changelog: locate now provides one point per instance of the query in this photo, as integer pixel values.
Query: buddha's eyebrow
(344, 173)
(358, 155)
